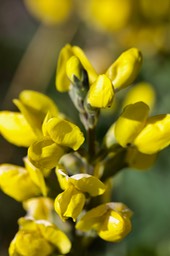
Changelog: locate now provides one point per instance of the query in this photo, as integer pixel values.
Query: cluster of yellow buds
(57, 147)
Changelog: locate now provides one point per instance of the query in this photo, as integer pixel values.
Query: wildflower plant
(66, 220)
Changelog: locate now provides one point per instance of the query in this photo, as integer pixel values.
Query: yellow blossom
(15, 129)
(22, 129)
(58, 136)
(142, 91)
(111, 221)
(109, 15)
(101, 93)
(45, 153)
(38, 237)
(125, 69)
(50, 12)
(64, 133)
(62, 81)
(35, 106)
(39, 207)
(130, 123)
(148, 134)
(71, 202)
(16, 182)
(155, 136)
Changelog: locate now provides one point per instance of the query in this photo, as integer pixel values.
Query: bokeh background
(30, 41)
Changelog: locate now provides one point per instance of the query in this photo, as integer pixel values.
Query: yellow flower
(148, 134)
(62, 81)
(35, 106)
(155, 136)
(15, 129)
(50, 12)
(23, 129)
(109, 15)
(39, 208)
(38, 237)
(142, 91)
(71, 202)
(130, 123)
(120, 74)
(58, 136)
(111, 221)
(125, 69)
(101, 92)
(16, 182)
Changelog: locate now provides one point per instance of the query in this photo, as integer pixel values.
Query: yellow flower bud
(16, 182)
(74, 69)
(101, 93)
(50, 12)
(45, 154)
(29, 243)
(38, 237)
(34, 106)
(130, 123)
(36, 176)
(71, 202)
(111, 221)
(125, 69)
(155, 136)
(109, 15)
(140, 92)
(15, 129)
(39, 208)
(62, 81)
(64, 133)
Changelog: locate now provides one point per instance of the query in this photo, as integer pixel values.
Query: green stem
(91, 143)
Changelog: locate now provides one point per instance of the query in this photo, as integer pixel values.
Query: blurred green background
(28, 53)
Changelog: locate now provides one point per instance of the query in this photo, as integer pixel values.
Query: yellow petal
(87, 183)
(138, 160)
(155, 136)
(50, 12)
(39, 207)
(54, 236)
(36, 176)
(95, 218)
(101, 93)
(125, 69)
(15, 129)
(92, 219)
(64, 133)
(92, 75)
(141, 92)
(16, 182)
(35, 106)
(62, 81)
(69, 203)
(62, 176)
(25, 243)
(105, 14)
(115, 227)
(39, 102)
(74, 68)
(130, 123)
(45, 154)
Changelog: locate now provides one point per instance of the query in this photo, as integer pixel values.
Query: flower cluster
(57, 148)
(129, 20)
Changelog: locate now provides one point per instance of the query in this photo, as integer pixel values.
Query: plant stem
(91, 143)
